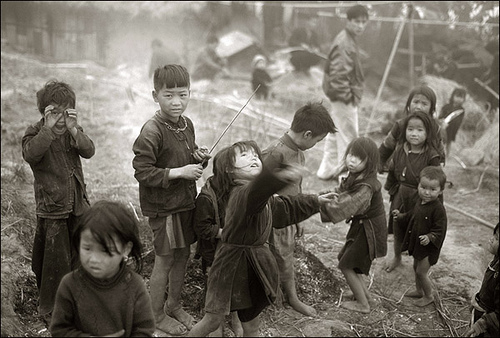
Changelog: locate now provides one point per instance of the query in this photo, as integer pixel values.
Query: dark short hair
(55, 92)
(426, 91)
(313, 117)
(171, 76)
(461, 92)
(434, 173)
(357, 11)
(365, 149)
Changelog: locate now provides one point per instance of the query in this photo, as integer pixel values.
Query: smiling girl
(104, 296)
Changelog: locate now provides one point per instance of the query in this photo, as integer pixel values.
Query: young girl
(486, 303)
(104, 296)
(261, 77)
(244, 275)
(359, 201)
(421, 99)
(208, 223)
(413, 152)
(452, 116)
(427, 225)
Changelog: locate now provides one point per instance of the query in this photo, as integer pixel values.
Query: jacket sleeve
(83, 144)
(340, 66)
(438, 227)
(204, 222)
(144, 323)
(389, 143)
(36, 142)
(347, 205)
(146, 150)
(289, 210)
(63, 319)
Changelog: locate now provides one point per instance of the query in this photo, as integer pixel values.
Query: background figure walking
(343, 85)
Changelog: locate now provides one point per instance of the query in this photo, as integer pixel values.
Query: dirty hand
(71, 118)
(192, 171)
(51, 117)
(201, 154)
(424, 239)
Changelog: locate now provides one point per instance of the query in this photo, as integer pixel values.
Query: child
(421, 99)
(359, 201)
(426, 231)
(486, 303)
(208, 223)
(261, 77)
(53, 147)
(244, 275)
(310, 124)
(452, 116)
(413, 152)
(167, 164)
(104, 296)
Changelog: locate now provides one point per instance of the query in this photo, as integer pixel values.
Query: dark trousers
(52, 258)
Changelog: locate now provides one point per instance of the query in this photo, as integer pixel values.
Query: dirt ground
(112, 115)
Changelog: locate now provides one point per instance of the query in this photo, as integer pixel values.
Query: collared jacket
(55, 161)
(158, 149)
(343, 76)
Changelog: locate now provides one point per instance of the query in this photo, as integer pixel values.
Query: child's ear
(307, 134)
(127, 248)
(155, 96)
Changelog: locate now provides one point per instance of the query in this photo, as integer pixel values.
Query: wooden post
(410, 44)
(386, 72)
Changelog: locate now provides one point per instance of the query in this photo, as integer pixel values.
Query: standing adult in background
(208, 63)
(305, 37)
(343, 85)
(161, 56)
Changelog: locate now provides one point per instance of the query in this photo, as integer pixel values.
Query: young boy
(53, 147)
(167, 164)
(311, 123)
(261, 77)
(427, 224)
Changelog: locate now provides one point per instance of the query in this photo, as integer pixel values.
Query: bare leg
(356, 284)
(372, 301)
(158, 284)
(236, 324)
(293, 299)
(398, 241)
(422, 273)
(251, 328)
(209, 323)
(176, 283)
(417, 293)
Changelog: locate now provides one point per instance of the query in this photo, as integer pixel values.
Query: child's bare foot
(355, 306)
(303, 308)
(414, 294)
(394, 264)
(237, 328)
(424, 301)
(181, 315)
(170, 326)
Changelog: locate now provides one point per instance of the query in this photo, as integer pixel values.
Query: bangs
(101, 226)
(171, 76)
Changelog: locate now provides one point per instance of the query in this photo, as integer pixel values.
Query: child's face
(60, 108)
(420, 103)
(308, 141)
(357, 25)
(416, 134)
(172, 101)
(354, 164)
(458, 100)
(247, 164)
(429, 190)
(96, 261)
(493, 244)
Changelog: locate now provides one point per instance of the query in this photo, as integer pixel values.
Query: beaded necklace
(177, 130)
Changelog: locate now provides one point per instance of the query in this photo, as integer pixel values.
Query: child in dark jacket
(486, 303)
(261, 77)
(427, 224)
(244, 275)
(452, 115)
(358, 200)
(53, 147)
(167, 163)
